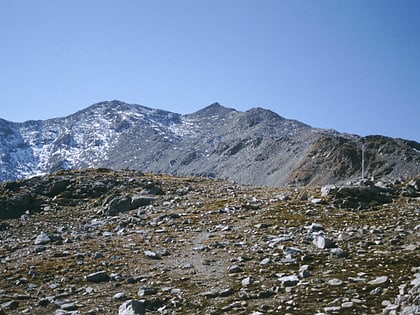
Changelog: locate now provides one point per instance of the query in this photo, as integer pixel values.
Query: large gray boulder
(115, 204)
(361, 197)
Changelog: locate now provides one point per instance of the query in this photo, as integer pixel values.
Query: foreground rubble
(107, 242)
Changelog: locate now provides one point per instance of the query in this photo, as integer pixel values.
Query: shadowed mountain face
(254, 147)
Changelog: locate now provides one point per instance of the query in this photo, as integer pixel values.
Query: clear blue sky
(349, 65)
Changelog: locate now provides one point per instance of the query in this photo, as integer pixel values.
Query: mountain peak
(214, 109)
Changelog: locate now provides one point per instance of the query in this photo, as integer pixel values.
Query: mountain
(253, 147)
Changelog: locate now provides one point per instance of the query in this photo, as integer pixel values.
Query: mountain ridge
(256, 146)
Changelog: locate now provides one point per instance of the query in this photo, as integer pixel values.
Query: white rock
(317, 201)
(331, 309)
(335, 282)
(42, 238)
(322, 242)
(246, 282)
(327, 190)
(347, 304)
(315, 227)
(132, 307)
(378, 280)
(119, 296)
(289, 281)
(265, 261)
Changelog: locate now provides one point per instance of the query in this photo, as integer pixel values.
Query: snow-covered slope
(257, 146)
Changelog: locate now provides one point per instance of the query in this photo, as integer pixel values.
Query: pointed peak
(214, 109)
(215, 104)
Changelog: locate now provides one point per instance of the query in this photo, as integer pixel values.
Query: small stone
(318, 201)
(356, 279)
(392, 307)
(305, 267)
(42, 239)
(304, 274)
(335, 282)
(151, 254)
(376, 291)
(176, 291)
(289, 281)
(338, 252)
(69, 306)
(315, 227)
(44, 302)
(293, 251)
(265, 261)
(343, 236)
(100, 276)
(304, 271)
(283, 197)
(347, 304)
(262, 226)
(328, 190)
(119, 296)
(246, 282)
(210, 294)
(226, 292)
(378, 280)
(147, 291)
(410, 247)
(97, 255)
(322, 242)
(40, 248)
(234, 269)
(332, 309)
(116, 277)
(10, 305)
(187, 266)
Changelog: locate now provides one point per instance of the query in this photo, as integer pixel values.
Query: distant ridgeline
(255, 147)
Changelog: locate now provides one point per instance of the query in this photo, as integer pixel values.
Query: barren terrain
(84, 242)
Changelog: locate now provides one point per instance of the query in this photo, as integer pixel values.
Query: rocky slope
(108, 242)
(254, 147)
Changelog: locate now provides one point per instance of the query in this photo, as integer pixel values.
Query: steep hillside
(334, 159)
(254, 147)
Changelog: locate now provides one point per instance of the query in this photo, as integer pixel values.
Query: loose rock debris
(123, 242)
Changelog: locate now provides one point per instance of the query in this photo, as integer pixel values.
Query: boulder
(362, 197)
(144, 290)
(42, 239)
(289, 281)
(96, 277)
(328, 190)
(123, 203)
(415, 183)
(132, 307)
(322, 242)
(15, 205)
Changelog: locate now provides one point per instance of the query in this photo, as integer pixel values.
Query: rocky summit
(98, 241)
(256, 147)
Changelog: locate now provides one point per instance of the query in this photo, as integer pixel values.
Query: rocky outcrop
(205, 246)
(337, 159)
(367, 194)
